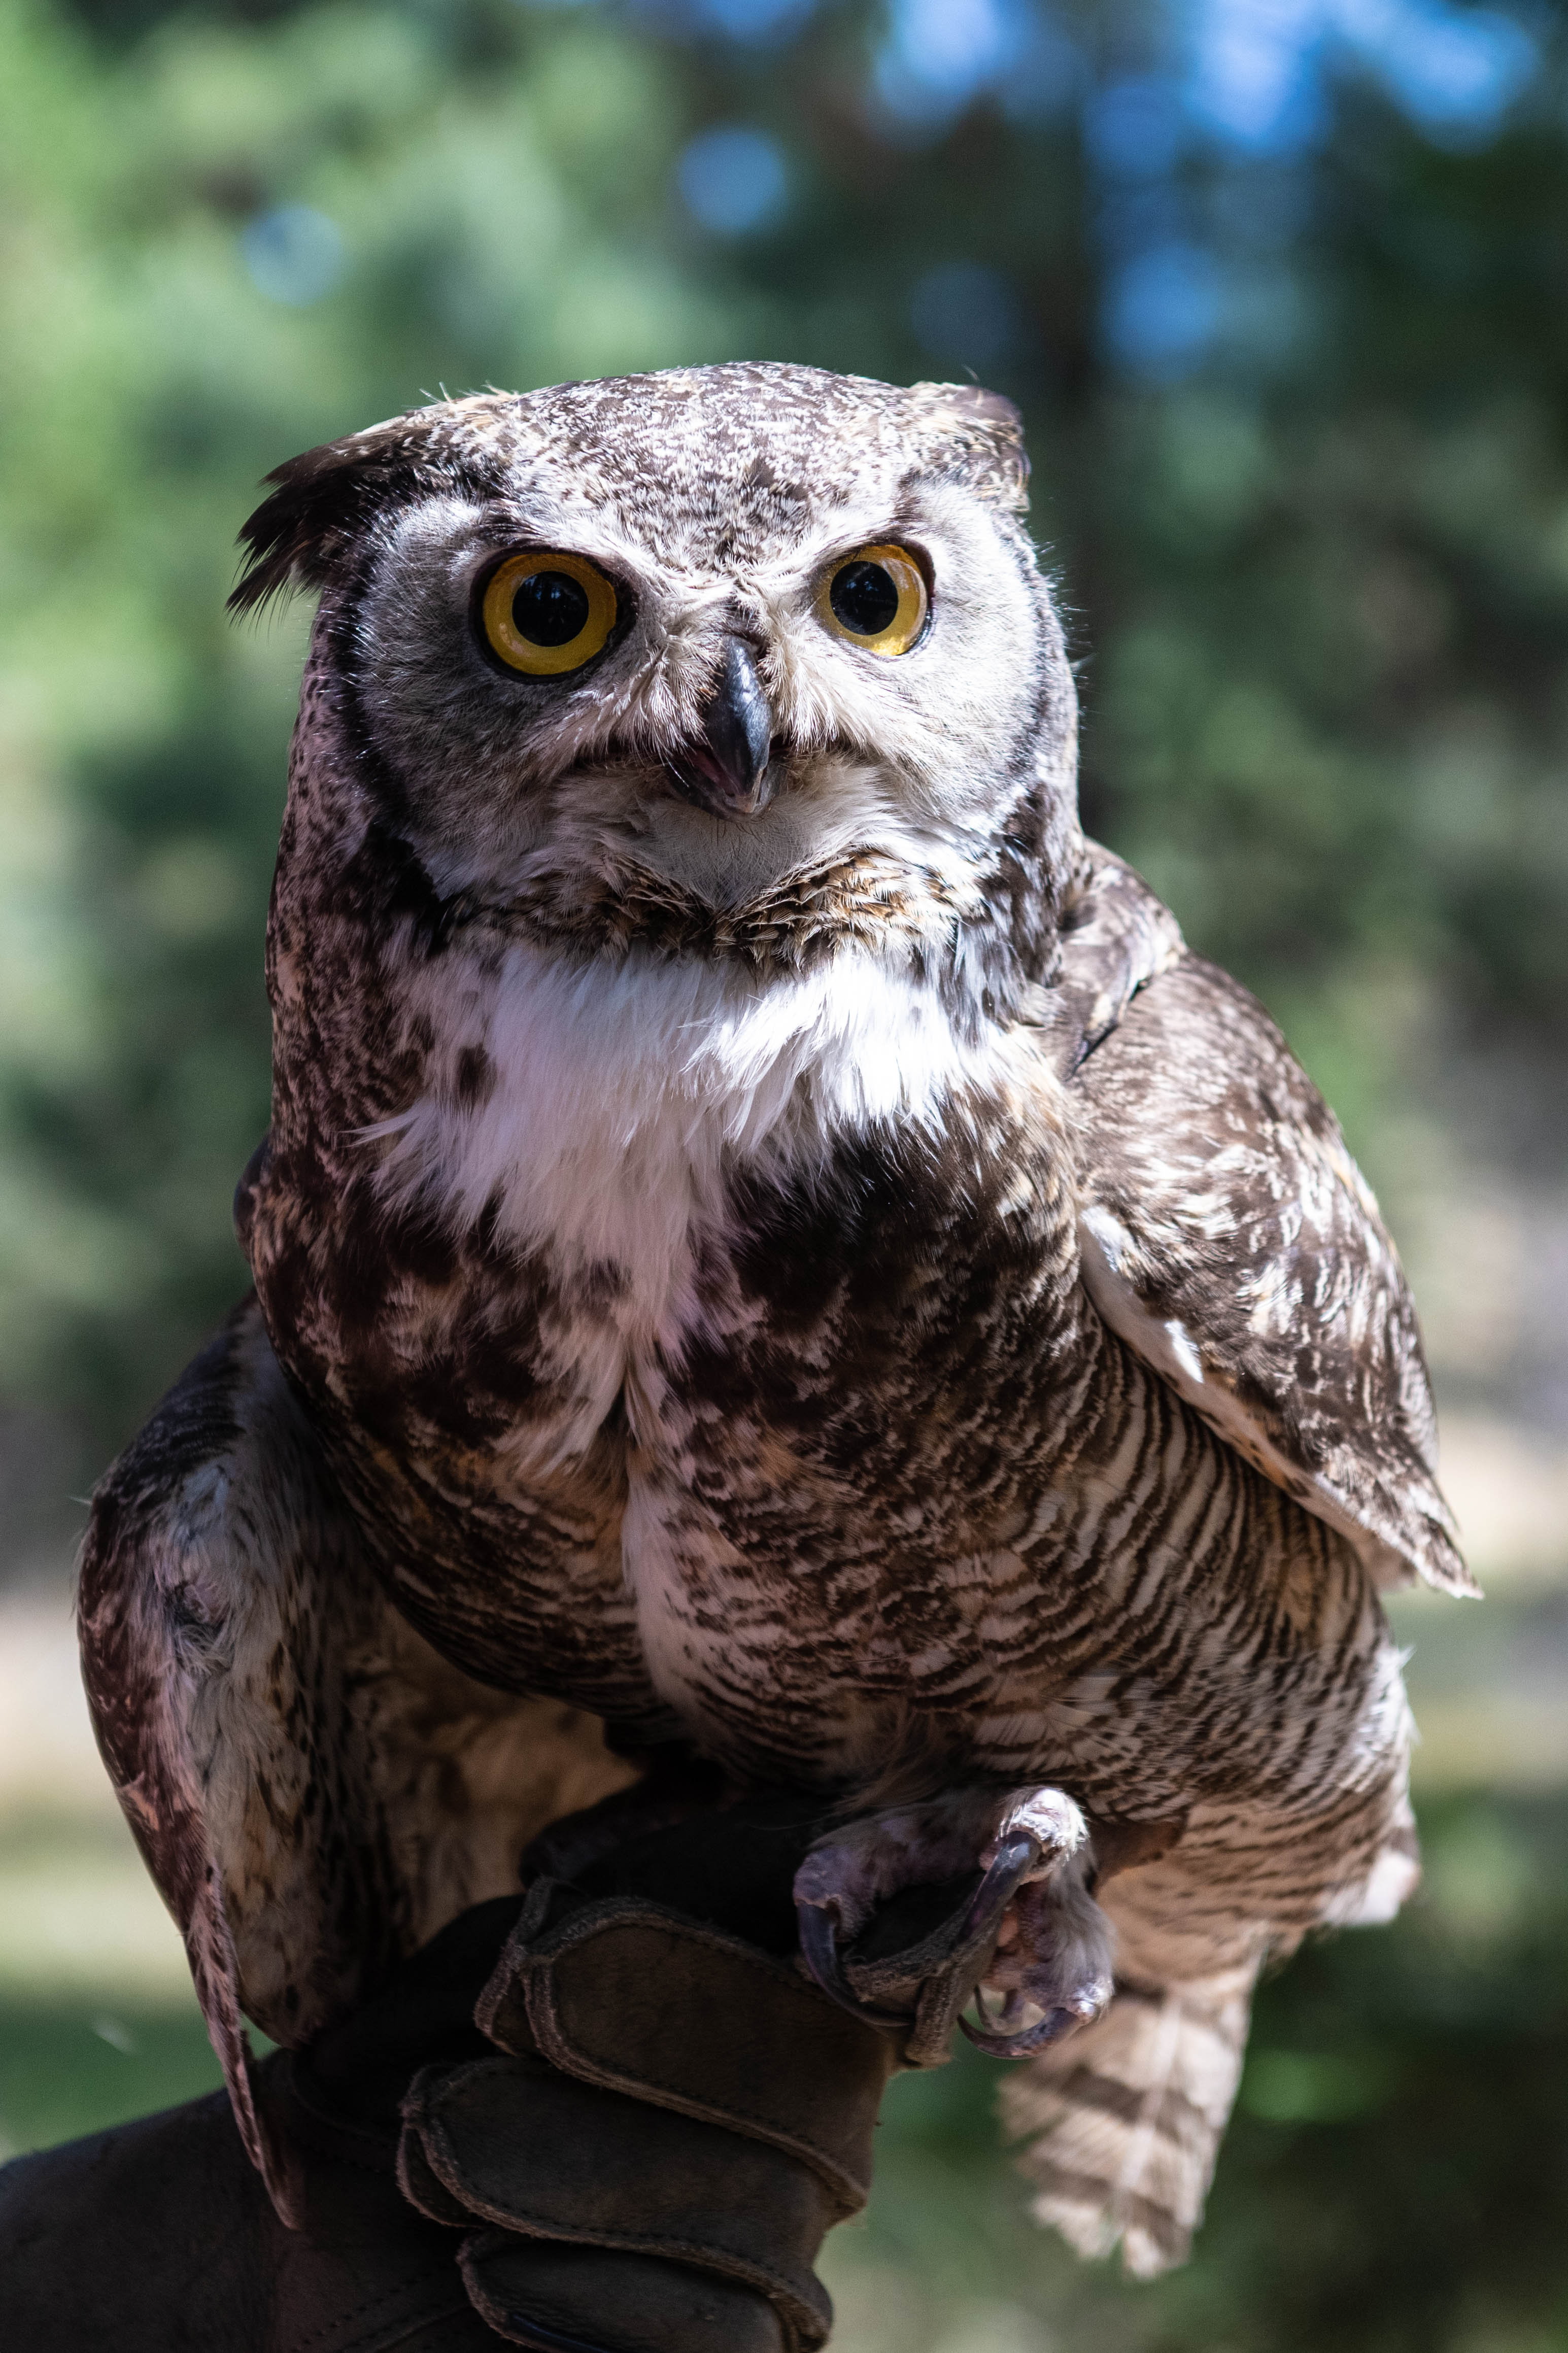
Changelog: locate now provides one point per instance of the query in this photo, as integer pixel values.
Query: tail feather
(1120, 2125)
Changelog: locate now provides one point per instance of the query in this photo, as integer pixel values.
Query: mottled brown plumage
(315, 1790)
(839, 1285)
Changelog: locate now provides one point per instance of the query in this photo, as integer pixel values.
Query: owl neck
(591, 1059)
(599, 1107)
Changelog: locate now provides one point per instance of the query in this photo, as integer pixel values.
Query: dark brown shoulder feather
(1115, 937)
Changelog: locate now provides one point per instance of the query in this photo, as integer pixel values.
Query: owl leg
(1031, 1930)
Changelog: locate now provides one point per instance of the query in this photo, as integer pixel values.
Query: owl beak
(728, 770)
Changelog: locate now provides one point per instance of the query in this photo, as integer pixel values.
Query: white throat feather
(622, 1090)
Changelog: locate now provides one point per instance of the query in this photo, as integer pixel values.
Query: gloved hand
(679, 2115)
(158, 2236)
(641, 2152)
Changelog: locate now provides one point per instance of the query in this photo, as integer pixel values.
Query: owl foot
(1030, 1931)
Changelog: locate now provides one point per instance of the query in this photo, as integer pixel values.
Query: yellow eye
(877, 598)
(547, 612)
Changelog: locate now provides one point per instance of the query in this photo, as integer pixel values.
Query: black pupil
(550, 608)
(865, 598)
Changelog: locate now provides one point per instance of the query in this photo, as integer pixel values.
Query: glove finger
(552, 2158)
(621, 1993)
(561, 2299)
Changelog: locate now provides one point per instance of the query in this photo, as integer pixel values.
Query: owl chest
(830, 1481)
(804, 1327)
(614, 1356)
(763, 1439)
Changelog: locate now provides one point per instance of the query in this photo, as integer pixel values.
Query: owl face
(719, 626)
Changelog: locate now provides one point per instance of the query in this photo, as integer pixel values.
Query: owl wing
(1228, 1237)
(315, 1791)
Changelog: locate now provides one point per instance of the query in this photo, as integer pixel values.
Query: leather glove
(645, 2155)
(673, 2117)
(159, 2237)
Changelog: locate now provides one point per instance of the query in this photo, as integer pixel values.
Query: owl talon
(1025, 1925)
(1015, 1858)
(1021, 2042)
(819, 1946)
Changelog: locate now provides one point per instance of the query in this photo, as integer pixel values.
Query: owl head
(741, 640)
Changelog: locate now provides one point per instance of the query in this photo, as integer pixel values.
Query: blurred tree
(1279, 291)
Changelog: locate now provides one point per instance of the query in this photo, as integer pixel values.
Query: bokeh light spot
(1134, 128)
(294, 254)
(1163, 308)
(1455, 70)
(940, 53)
(733, 180)
(963, 312)
(755, 20)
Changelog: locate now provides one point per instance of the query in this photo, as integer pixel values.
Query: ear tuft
(293, 537)
(324, 502)
(979, 435)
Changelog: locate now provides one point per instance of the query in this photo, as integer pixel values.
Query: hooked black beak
(727, 769)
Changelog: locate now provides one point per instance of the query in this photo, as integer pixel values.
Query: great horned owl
(769, 1241)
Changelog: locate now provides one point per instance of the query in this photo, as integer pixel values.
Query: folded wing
(1229, 1237)
(315, 1791)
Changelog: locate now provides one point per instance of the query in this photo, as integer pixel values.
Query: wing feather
(315, 1791)
(1229, 1237)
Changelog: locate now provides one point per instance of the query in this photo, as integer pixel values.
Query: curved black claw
(820, 1944)
(1014, 1860)
(1047, 2029)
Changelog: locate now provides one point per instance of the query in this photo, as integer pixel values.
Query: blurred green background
(1282, 288)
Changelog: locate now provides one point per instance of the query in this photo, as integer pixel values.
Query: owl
(769, 1247)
